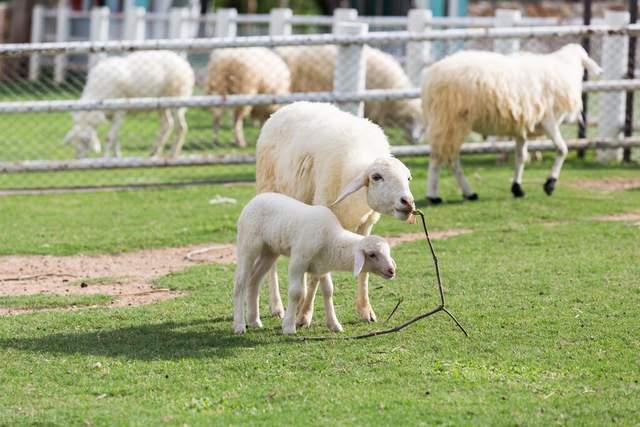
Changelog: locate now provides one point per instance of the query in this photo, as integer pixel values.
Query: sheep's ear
(591, 66)
(360, 181)
(358, 262)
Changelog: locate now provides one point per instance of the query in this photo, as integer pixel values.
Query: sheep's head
(83, 134)
(372, 254)
(387, 182)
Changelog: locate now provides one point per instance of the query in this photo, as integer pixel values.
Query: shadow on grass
(203, 338)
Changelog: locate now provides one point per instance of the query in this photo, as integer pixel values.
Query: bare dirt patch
(607, 184)
(623, 217)
(412, 237)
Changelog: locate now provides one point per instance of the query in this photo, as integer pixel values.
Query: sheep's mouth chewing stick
(441, 307)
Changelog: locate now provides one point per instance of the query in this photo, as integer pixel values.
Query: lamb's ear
(358, 262)
(360, 181)
(591, 66)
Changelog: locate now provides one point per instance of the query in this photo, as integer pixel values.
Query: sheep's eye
(376, 177)
(372, 256)
(410, 178)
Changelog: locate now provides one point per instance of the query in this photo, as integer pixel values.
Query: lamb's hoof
(256, 323)
(304, 321)
(550, 185)
(278, 311)
(239, 329)
(471, 197)
(335, 327)
(289, 329)
(516, 190)
(367, 314)
(434, 200)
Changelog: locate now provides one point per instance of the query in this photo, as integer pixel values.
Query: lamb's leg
(432, 182)
(296, 295)
(113, 147)
(263, 264)
(520, 159)
(239, 113)
(243, 271)
(275, 303)
(553, 131)
(166, 125)
(181, 131)
(362, 300)
(326, 284)
(467, 192)
(305, 313)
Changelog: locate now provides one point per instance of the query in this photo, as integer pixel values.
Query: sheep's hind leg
(181, 131)
(265, 261)
(467, 192)
(305, 312)
(243, 271)
(113, 146)
(432, 182)
(166, 125)
(553, 130)
(239, 113)
(275, 302)
(326, 284)
(520, 158)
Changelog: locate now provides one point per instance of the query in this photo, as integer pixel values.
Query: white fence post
(62, 34)
(350, 72)
(135, 23)
(343, 15)
(611, 104)
(180, 25)
(37, 32)
(280, 22)
(418, 53)
(226, 22)
(98, 31)
(507, 18)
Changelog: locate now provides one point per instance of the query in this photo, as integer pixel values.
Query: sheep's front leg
(113, 146)
(362, 300)
(326, 284)
(305, 313)
(296, 293)
(239, 113)
(216, 115)
(520, 159)
(166, 125)
(467, 192)
(552, 129)
(432, 182)
(241, 279)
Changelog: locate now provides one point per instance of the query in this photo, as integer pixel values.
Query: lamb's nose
(407, 201)
(391, 271)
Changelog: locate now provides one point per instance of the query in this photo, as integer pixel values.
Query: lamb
(158, 73)
(273, 224)
(312, 70)
(320, 155)
(521, 95)
(250, 71)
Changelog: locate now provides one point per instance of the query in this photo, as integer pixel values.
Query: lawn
(548, 293)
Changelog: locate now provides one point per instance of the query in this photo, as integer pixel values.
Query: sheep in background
(274, 224)
(521, 95)
(321, 155)
(312, 70)
(142, 74)
(250, 71)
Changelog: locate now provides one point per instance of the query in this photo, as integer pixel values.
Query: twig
(189, 256)
(394, 309)
(400, 327)
(36, 276)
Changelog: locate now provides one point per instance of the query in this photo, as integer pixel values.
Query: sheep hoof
(256, 323)
(550, 185)
(289, 329)
(367, 314)
(434, 200)
(335, 327)
(471, 197)
(278, 312)
(240, 329)
(304, 321)
(516, 190)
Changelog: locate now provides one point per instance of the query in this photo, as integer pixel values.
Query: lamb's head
(588, 64)
(372, 254)
(83, 134)
(387, 183)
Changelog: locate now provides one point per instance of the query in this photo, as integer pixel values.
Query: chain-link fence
(185, 111)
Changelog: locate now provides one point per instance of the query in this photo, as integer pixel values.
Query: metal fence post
(62, 34)
(350, 72)
(280, 22)
(507, 18)
(611, 105)
(418, 53)
(98, 31)
(343, 15)
(135, 23)
(226, 22)
(37, 27)
(631, 69)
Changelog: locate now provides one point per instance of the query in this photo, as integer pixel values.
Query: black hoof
(550, 185)
(471, 197)
(516, 190)
(434, 200)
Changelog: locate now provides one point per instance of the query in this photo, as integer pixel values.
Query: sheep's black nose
(391, 271)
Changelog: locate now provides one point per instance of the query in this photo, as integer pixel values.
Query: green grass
(548, 294)
(41, 301)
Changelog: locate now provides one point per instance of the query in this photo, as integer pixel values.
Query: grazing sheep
(320, 155)
(521, 95)
(274, 224)
(158, 73)
(248, 71)
(312, 70)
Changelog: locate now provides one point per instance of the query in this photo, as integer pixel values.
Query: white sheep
(320, 155)
(312, 69)
(158, 73)
(273, 224)
(521, 95)
(249, 71)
